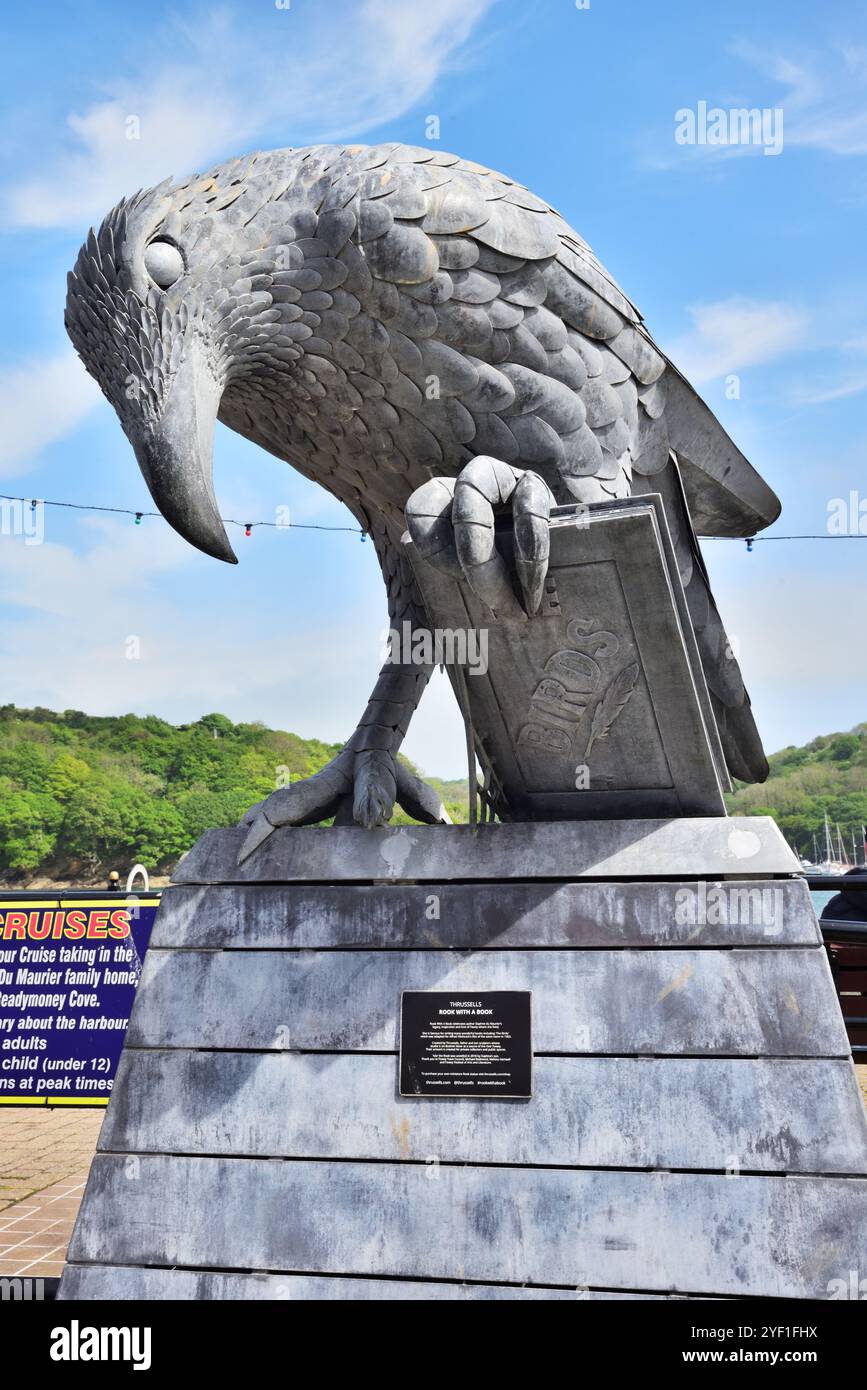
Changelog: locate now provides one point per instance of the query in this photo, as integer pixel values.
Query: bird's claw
(451, 523)
(260, 829)
(301, 803)
(370, 779)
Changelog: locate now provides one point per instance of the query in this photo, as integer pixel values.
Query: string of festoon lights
(138, 516)
(248, 526)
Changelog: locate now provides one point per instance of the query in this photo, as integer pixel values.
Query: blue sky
(742, 262)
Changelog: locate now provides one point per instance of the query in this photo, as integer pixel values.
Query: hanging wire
(755, 540)
(247, 526)
(137, 515)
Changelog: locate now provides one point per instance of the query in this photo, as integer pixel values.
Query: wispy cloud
(39, 403)
(820, 95)
(735, 333)
(796, 602)
(231, 81)
(840, 370)
(853, 387)
(824, 94)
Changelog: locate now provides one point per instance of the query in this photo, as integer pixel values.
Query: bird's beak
(176, 457)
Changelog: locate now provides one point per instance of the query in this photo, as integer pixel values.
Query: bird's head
(163, 307)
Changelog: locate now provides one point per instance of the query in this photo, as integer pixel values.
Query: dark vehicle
(844, 929)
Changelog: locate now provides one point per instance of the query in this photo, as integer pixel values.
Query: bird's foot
(451, 523)
(368, 782)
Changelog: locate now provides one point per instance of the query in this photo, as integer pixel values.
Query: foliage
(827, 775)
(80, 795)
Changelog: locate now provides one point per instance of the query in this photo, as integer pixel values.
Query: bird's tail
(742, 746)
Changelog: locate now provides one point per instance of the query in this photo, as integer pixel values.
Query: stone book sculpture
(439, 349)
(598, 706)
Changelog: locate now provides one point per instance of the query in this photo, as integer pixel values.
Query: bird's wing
(726, 495)
(444, 311)
(542, 361)
(502, 282)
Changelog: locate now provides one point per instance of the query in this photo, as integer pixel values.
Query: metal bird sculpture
(398, 324)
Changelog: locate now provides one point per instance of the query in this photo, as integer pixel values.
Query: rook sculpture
(431, 342)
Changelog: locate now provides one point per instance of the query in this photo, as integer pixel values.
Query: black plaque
(470, 1045)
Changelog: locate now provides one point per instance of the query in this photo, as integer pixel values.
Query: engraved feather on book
(611, 705)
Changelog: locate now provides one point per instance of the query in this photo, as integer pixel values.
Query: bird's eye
(163, 263)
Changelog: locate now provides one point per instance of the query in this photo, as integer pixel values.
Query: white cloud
(824, 98)
(821, 96)
(234, 79)
(847, 380)
(853, 387)
(39, 403)
(128, 582)
(436, 741)
(735, 333)
(231, 78)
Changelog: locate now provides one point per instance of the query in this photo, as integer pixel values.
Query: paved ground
(44, 1160)
(39, 1147)
(34, 1233)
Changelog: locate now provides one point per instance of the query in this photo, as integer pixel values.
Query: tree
(845, 746)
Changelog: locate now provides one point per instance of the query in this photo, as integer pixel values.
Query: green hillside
(828, 774)
(80, 795)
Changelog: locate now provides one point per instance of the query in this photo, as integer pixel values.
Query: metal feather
(610, 705)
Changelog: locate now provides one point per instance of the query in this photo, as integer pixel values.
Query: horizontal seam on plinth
(639, 1170)
(492, 950)
(494, 880)
(253, 1271)
(394, 1052)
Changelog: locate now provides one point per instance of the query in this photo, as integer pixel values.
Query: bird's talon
(452, 525)
(259, 831)
(372, 778)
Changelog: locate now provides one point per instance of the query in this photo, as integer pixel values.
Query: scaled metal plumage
(398, 323)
